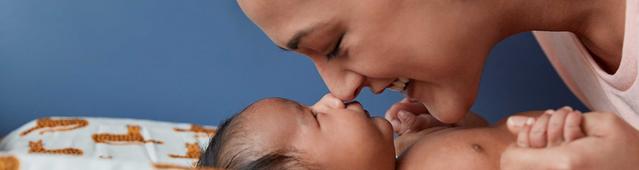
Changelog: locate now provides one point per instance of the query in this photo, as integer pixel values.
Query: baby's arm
(551, 129)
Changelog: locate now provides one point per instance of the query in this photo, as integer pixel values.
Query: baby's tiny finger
(522, 137)
(538, 132)
(556, 127)
(407, 121)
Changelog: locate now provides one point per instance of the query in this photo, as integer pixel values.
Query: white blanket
(103, 143)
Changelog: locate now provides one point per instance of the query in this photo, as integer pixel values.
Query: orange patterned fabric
(9, 163)
(38, 147)
(199, 130)
(133, 136)
(176, 167)
(51, 125)
(85, 138)
(193, 151)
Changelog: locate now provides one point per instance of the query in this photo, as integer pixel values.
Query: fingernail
(549, 111)
(567, 108)
(516, 121)
(530, 121)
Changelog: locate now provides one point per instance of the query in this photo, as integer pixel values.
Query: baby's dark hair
(230, 149)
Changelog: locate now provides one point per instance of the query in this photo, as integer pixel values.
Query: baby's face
(329, 134)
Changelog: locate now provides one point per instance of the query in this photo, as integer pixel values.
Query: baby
(277, 133)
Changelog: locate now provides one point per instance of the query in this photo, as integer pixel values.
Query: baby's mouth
(359, 107)
(400, 85)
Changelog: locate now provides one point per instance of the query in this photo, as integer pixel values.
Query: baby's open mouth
(360, 107)
(400, 84)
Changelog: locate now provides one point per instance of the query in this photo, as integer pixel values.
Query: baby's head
(276, 133)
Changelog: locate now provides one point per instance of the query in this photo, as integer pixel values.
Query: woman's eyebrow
(294, 42)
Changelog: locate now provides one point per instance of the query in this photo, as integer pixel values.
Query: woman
(434, 50)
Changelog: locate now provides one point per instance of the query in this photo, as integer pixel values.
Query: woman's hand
(610, 143)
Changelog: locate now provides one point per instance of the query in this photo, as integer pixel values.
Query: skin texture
(379, 45)
(276, 123)
(446, 147)
(441, 45)
(281, 124)
(606, 136)
(315, 133)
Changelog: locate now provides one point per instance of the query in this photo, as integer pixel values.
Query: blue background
(195, 61)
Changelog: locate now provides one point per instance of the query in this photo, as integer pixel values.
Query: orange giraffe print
(9, 163)
(133, 136)
(199, 130)
(56, 125)
(161, 166)
(193, 151)
(38, 147)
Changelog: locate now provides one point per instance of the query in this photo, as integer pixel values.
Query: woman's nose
(345, 85)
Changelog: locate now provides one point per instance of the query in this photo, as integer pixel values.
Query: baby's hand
(551, 129)
(410, 117)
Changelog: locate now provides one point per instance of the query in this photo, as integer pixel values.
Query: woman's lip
(410, 90)
(357, 91)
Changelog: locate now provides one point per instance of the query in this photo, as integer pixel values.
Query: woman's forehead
(281, 20)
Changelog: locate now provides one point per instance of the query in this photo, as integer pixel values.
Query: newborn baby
(277, 133)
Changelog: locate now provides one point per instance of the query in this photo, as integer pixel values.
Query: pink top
(597, 89)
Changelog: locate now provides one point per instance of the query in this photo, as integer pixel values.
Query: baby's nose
(329, 101)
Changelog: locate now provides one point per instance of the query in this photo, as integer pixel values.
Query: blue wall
(194, 61)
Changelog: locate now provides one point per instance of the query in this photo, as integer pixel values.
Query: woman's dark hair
(224, 153)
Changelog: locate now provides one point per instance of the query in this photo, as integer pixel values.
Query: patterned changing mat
(81, 143)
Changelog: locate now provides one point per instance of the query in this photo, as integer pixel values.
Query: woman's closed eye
(336, 48)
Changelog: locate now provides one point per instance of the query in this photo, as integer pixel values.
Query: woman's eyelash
(336, 49)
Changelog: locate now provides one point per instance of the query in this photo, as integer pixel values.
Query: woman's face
(372, 43)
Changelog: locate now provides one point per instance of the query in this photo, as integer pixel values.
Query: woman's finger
(516, 123)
